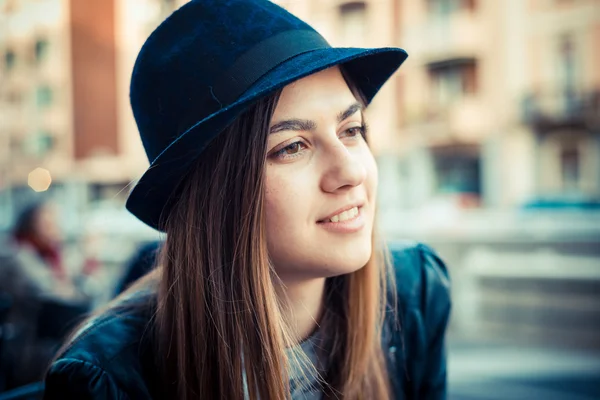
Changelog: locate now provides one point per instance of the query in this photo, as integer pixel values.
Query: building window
(43, 96)
(569, 163)
(451, 80)
(13, 97)
(444, 8)
(15, 144)
(10, 59)
(41, 50)
(457, 170)
(567, 62)
(39, 143)
(353, 23)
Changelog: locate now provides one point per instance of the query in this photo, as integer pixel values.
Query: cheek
(372, 175)
(289, 200)
(283, 203)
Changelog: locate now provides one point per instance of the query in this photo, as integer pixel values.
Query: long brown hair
(219, 323)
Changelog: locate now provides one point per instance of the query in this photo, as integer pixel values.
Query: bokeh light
(39, 179)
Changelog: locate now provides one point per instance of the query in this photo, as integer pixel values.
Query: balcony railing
(558, 109)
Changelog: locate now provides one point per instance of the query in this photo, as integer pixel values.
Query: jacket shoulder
(108, 357)
(71, 378)
(423, 310)
(421, 276)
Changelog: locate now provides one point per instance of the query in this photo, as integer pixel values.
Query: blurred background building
(64, 104)
(487, 141)
(66, 130)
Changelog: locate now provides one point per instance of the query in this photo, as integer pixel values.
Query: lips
(343, 214)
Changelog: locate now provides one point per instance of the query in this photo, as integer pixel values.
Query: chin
(326, 264)
(346, 262)
(322, 258)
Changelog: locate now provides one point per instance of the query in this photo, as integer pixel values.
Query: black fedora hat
(206, 64)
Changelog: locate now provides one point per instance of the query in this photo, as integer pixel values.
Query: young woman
(271, 283)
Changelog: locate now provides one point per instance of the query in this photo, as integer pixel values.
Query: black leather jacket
(111, 358)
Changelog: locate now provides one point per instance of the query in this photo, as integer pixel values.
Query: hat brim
(369, 69)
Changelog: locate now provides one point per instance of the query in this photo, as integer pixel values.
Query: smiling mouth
(343, 216)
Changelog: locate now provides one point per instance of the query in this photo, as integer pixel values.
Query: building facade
(500, 100)
(64, 97)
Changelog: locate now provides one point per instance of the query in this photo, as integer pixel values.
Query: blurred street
(526, 300)
(501, 371)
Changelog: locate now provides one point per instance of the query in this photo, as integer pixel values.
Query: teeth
(346, 215)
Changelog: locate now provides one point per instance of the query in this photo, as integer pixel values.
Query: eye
(290, 150)
(355, 131)
(293, 148)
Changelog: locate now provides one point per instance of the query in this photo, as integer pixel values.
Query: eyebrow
(308, 125)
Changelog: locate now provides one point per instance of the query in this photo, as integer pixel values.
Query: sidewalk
(495, 372)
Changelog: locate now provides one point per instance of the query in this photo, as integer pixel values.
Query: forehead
(323, 92)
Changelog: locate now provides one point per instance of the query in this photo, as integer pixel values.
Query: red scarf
(47, 252)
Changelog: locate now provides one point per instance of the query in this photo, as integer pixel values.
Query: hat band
(262, 58)
(251, 66)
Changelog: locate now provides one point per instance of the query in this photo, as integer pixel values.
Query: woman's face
(321, 180)
(46, 225)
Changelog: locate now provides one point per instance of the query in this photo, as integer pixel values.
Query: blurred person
(32, 257)
(271, 282)
(33, 275)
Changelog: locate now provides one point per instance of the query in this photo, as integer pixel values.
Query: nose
(343, 169)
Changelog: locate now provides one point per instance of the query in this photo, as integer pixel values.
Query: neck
(304, 305)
